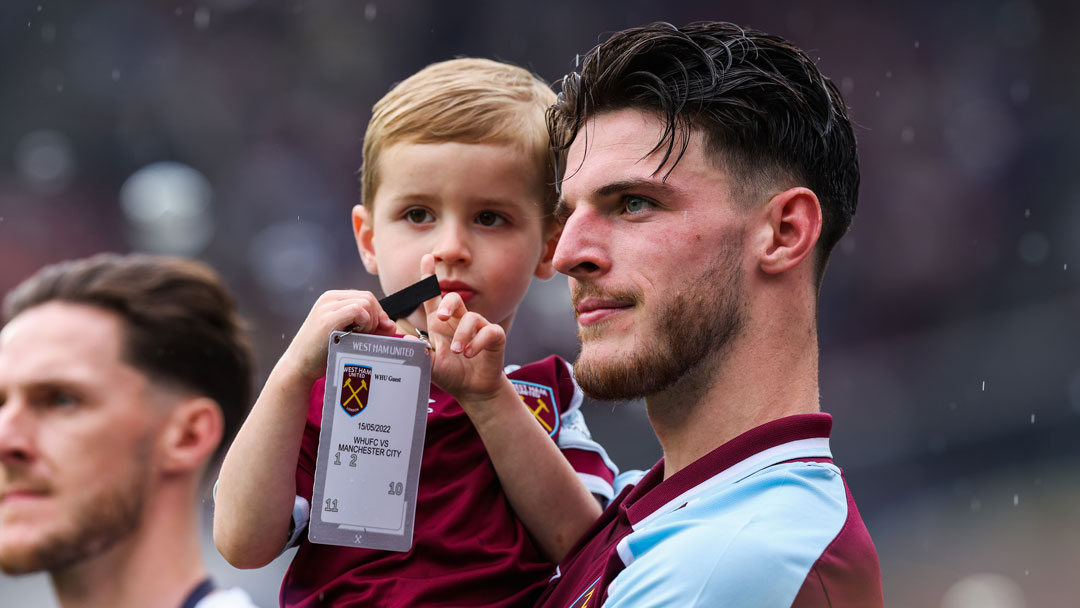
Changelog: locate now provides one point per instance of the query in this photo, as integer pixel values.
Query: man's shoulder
(757, 537)
(759, 514)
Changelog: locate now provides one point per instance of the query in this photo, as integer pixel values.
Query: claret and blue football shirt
(765, 520)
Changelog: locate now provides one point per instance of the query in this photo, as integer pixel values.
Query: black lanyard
(202, 590)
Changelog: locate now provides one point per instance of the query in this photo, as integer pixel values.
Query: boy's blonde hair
(467, 100)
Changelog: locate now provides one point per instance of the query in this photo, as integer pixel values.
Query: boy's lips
(591, 311)
(461, 288)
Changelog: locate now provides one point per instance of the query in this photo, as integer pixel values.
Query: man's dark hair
(767, 114)
(181, 325)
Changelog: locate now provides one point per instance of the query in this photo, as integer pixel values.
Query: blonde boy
(456, 182)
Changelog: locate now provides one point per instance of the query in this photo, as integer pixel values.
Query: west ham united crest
(355, 385)
(540, 400)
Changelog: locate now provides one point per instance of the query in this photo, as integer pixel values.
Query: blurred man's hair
(768, 116)
(466, 100)
(181, 325)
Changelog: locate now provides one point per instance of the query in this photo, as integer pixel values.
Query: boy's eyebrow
(480, 201)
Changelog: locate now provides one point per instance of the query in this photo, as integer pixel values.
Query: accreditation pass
(372, 439)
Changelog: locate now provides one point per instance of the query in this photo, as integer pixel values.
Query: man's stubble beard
(97, 524)
(689, 336)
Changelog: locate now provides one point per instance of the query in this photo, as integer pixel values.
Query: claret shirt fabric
(765, 520)
(468, 547)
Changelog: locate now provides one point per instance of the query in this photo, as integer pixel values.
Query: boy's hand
(334, 310)
(467, 361)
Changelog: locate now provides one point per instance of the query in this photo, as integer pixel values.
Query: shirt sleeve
(552, 379)
(305, 464)
(585, 455)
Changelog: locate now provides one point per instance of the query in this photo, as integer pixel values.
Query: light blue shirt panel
(748, 543)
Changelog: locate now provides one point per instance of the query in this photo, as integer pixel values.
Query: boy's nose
(452, 246)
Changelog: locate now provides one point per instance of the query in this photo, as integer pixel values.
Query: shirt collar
(799, 436)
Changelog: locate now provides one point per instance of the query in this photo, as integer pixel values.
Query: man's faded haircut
(181, 327)
(767, 114)
(466, 100)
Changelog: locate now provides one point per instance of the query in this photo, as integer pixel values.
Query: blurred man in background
(120, 376)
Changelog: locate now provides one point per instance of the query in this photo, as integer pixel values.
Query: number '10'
(396, 489)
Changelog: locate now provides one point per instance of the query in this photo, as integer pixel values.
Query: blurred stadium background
(230, 131)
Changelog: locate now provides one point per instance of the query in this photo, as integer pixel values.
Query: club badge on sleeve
(540, 400)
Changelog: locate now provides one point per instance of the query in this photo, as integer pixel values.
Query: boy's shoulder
(548, 389)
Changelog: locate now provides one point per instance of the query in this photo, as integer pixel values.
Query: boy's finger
(452, 307)
(466, 330)
(386, 325)
(489, 337)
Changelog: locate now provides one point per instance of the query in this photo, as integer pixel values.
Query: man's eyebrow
(644, 186)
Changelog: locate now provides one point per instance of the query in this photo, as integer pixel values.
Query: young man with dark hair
(120, 376)
(709, 170)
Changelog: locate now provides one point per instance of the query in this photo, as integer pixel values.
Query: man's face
(656, 263)
(76, 438)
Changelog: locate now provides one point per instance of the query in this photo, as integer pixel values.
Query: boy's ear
(193, 430)
(363, 231)
(545, 269)
(789, 231)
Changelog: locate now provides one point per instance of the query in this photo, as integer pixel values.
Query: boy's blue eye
(489, 218)
(417, 215)
(636, 204)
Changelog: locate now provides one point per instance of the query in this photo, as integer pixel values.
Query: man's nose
(582, 249)
(452, 245)
(16, 432)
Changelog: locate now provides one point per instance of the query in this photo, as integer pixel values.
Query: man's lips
(12, 495)
(591, 311)
(461, 288)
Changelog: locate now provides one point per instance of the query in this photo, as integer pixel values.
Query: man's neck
(155, 567)
(759, 378)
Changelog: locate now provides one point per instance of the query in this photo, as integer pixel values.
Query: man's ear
(363, 231)
(193, 430)
(545, 269)
(790, 229)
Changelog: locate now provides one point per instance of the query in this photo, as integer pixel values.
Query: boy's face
(475, 207)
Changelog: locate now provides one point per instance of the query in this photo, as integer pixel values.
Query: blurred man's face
(76, 438)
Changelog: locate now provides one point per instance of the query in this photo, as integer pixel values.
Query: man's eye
(636, 204)
(490, 218)
(63, 399)
(416, 215)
